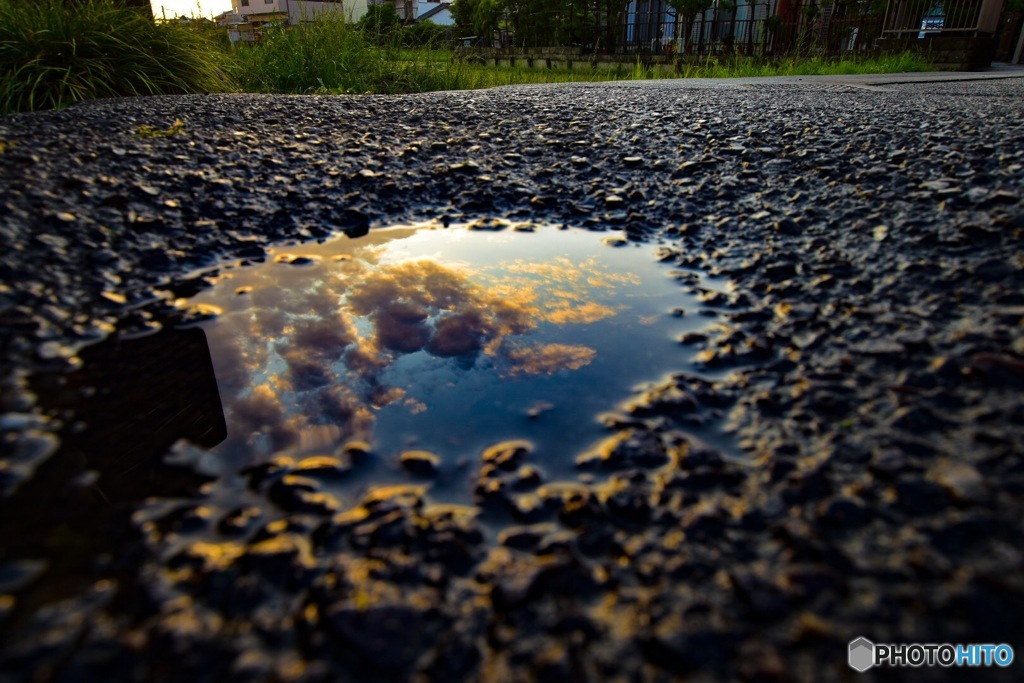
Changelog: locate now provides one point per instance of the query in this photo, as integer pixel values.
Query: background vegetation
(332, 56)
(597, 24)
(53, 54)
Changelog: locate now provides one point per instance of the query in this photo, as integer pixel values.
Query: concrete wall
(964, 54)
(571, 58)
(299, 10)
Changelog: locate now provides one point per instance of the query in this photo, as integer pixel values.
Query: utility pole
(1020, 47)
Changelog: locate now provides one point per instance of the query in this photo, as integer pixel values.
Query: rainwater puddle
(439, 340)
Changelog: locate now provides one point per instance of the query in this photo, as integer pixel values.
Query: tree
(535, 22)
(686, 12)
(478, 16)
(380, 22)
(462, 12)
(380, 18)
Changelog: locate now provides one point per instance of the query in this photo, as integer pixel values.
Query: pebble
(420, 463)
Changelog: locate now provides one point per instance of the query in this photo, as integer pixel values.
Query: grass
(176, 128)
(299, 61)
(748, 67)
(331, 55)
(53, 55)
(472, 76)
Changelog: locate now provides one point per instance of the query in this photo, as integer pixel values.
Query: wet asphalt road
(874, 237)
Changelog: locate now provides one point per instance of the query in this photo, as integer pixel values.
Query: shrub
(330, 55)
(427, 34)
(380, 23)
(52, 55)
(325, 55)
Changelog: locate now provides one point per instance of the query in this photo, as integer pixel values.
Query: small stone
(390, 637)
(842, 512)
(701, 457)
(239, 521)
(507, 455)
(114, 297)
(420, 463)
(920, 497)
(356, 450)
(16, 574)
(277, 555)
(525, 537)
(689, 338)
(466, 167)
(787, 226)
(629, 448)
(293, 260)
(879, 347)
(322, 466)
(963, 482)
(538, 409)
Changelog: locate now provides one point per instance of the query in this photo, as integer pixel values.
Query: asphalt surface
(870, 351)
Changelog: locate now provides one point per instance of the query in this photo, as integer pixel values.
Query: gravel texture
(874, 338)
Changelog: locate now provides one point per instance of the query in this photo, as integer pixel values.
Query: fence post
(1020, 47)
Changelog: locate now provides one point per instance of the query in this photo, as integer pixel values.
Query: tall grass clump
(53, 54)
(332, 55)
(751, 67)
(318, 56)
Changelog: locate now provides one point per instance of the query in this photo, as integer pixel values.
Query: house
(407, 10)
(261, 12)
(438, 12)
(228, 18)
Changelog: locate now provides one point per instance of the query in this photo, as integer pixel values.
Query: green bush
(52, 55)
(330, 55)
(427, 34)
(320, 56)
(381, 23)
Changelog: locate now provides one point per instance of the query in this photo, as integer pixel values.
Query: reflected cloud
(328, 341)
(547, 359)
(584, 314)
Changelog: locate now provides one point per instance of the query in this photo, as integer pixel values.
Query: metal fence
(945, 17)
(725, 34)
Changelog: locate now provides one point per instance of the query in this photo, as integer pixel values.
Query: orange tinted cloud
(547, 359)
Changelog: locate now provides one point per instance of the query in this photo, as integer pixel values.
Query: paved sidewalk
(995, 72)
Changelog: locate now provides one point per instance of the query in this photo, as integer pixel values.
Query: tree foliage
(380, 18)
(594, 23)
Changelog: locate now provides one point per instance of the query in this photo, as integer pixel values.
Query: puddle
(439, 340)
(416, 338)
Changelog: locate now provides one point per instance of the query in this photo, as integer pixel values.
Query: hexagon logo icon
(862, 654)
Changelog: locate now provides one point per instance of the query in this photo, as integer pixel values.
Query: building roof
(431, 13)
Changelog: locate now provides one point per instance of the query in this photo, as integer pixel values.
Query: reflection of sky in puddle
(441, 339)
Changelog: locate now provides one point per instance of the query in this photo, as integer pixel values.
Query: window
(245, 3)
